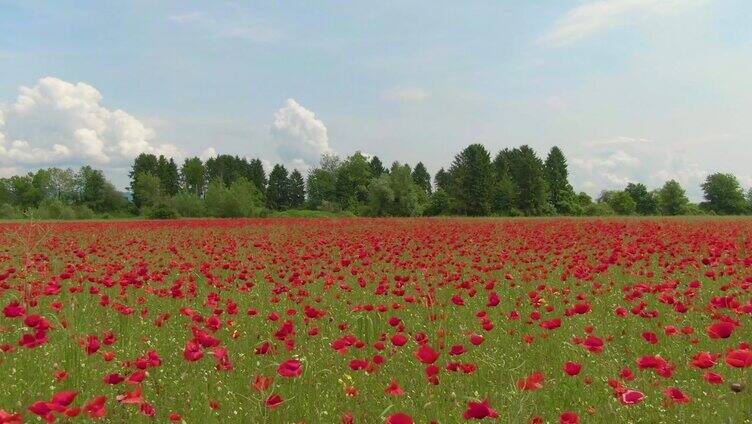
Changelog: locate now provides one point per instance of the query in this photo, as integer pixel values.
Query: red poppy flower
(14, 310)
(632, 397)
(480, 410)
(677, 395)
(593, 344)
(572, 368)
(261, 383)
(704, 360)
(569, 418)
(739, 358)
(426, 354)
(394, 389)
(290, 368)
(713, 378)
(720, 330)
(399, 418)
(97, 407)
(274, 401)
(193, 352)
(533, 382)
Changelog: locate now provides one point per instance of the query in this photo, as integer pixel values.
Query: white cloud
(8, 171)
(58, 122)
(299, 136)
(236, 26)
(619, 141)
(404, 94)
(596, 16)
(208, 153)
(186, 17)
(267, 165)
(615, 162)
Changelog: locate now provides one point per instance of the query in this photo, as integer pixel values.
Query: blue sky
(631, 90)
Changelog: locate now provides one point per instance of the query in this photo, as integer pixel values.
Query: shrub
(161, 210)
(54, 209)
(84, 212)
(9, 212)
(188, 204)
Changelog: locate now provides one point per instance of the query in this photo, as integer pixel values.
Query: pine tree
(377, 168)
(560, 192)
(167, 171)
(297, 190)
(278, 190)
(422, 178)
(257, 175)
(472, 180)
(528, 174)
(442, 179)
(505, 191)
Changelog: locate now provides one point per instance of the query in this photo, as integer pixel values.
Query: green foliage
(598, 209)
(724, 194)
(645, 201)
(472, 181)
(188, 204)
(527, 171)
(396, 193)
(560, 192)
(440, 203)
(583, 199)
(351, 184)
(241, 199)
(54, 209)
(161, 210)
(167, 171)
(278, 190)
(321, 184)
(622, 203)
(99, 194)
(257, 175)
(226, 168)
(422, 178)
(693, 209)
(8, 211)
(377, 168)
(297, 190)
(672, 199)
(84, 212)
(147, 187)
(144, 163)
(505, 190)
(442, 180)
(193, 176)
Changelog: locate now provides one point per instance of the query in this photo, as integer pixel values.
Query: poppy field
(377, 321)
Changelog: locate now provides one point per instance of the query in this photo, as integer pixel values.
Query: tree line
(514, 182)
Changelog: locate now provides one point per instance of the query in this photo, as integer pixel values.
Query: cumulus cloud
(613, 163)
(404, 94)
(596, 16)
(58, 122)
(299, 136)
(208, 153)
